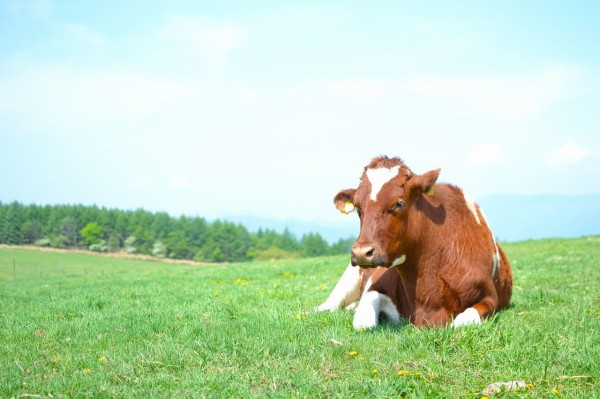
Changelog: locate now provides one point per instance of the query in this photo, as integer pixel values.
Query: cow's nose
(362, 255)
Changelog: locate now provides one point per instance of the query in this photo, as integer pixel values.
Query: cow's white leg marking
(367, 311)
(496, 257)
(469, 316)
(345, 291)
(472, 207)
(378, 177)
(398, 261)
(370, 305)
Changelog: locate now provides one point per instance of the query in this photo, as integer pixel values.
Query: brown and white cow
(424, 253)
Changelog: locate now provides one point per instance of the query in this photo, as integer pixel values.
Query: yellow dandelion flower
(297, 317)
(403, 372)
(530, 386)
(352, 353)
(87, 370)
(484, 397)
(217, 293)
(556, 391)
(102, 359)
(322, 287)
(360, 358)
(374, 371)
(417, 373)
(57, 358)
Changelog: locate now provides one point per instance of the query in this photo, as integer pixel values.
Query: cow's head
(387, 191)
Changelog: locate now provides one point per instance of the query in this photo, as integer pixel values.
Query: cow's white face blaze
(379, 177)
(383, 199)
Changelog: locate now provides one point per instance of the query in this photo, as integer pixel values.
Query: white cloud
(38, 8)
(179, 181)
(485, 153)
(358, 89)
(214, 41)
(568, 153)
(306, 129)
(246, 95)
(516, 96)
(82, 33)
(62, 100)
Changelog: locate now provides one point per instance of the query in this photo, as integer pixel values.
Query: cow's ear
(426, 181)
(344, 200)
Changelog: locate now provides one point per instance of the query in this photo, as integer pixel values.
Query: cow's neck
(408, 276)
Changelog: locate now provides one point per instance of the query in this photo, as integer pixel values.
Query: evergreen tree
(313, 244)
(12, 221)
(31, 231)
(160, 234)
(68, 229)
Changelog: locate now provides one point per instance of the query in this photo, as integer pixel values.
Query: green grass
(92, 326)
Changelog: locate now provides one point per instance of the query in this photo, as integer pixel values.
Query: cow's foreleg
(367, 312)
(345, 291)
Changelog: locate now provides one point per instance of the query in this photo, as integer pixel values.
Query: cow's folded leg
(476, 313)
(345, 291)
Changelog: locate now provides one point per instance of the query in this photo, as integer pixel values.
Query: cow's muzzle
(366, 256)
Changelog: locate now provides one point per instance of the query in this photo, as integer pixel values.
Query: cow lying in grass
(424, 253)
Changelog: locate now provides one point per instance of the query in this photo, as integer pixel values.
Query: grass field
(74, 325)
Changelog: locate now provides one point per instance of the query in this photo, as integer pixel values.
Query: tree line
(158, 234)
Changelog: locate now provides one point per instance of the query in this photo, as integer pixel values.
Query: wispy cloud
(66, 101)
(514, 96)
(179, 181)
(485, 153)
(82, 33)
(214, 41)
(568, 153)
(358, 89)
(40, 9)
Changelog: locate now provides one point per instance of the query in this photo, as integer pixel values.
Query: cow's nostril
(369, 253)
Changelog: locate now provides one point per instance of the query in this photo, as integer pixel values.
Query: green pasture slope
(75, 326)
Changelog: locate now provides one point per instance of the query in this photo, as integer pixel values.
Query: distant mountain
(512, 218)
(520, 217)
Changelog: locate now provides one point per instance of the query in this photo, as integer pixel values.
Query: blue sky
(270, 107)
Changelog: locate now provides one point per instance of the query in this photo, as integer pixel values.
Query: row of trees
(157, 234)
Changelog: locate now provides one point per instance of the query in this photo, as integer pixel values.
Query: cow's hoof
(364, 320)
(468, 317)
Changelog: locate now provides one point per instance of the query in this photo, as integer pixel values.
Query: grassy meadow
(75, 326)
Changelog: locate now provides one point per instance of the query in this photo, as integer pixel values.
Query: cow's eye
(399, 205)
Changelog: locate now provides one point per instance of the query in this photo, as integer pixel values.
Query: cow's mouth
(373, 261)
